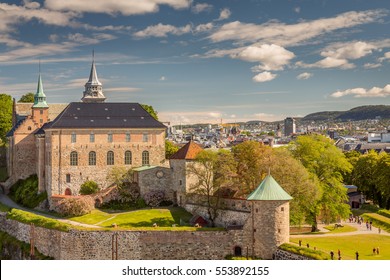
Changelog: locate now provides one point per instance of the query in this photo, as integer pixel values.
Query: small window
(282, 209)
(41, 120)
(92, 137)
(73, 137)
(128, 157)
(109, 137)
(92, 158)
(237, 251)
(257, 210)
(128, 137)
(29, 128)
(110, 158)
(41, 112)
(180, 182)
(145, 137)
(145, 158)
(73, 158)
(68, 178)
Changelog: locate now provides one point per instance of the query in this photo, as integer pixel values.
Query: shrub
(89, 187)
(75, 206)
(385, 213)
(25, 192)
(154, 198)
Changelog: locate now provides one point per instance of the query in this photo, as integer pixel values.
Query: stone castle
(84, 140)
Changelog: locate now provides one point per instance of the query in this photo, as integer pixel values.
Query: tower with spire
(93, 88)
(40, 109)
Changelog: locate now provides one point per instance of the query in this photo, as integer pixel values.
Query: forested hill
(355, 114)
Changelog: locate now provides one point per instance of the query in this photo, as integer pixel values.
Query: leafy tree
(324, 160)
(382, 179)
(150, 110)
(209, 180)
(89, 187)
(27, 98)
(170, 149)
(5, 115)
(352, 157)
(120, 176)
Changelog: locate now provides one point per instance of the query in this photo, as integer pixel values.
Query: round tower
(270, 218)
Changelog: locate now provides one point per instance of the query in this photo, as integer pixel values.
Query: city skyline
(202, 61)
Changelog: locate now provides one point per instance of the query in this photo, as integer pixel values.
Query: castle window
(180, 182)
(282, 209)
(128, 138)
(145, 158)
(110, 158)
(109, 137)
(73, 137)
(128, 157)
(29, 128)
(68, 178)
(41, 120)
(73, 158)
(41, 112)
(145, 137)
(92, 158)
(92, 137)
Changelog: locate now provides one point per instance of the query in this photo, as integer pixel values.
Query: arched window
(110, 158)
(73, 158)
(145, 158)
(92, 158)
(29, 128)
(128, 157)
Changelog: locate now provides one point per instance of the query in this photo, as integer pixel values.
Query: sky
(202, 61)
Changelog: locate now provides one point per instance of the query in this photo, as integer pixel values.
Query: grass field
(348, 245)
(145, 218)
(344, 228)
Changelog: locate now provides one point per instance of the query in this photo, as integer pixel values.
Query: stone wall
(285, 255)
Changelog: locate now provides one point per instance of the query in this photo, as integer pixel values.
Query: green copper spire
(269, 189)
(40, 97)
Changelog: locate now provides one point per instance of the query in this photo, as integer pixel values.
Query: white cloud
(297, 10)
(31, 5)
(350, 50)
(304, 76)
(385, 57)
(204, 27)
(328, 62)
(271, 57)
(162, 30)
(265, 116)
(362, 92)
(264, 77)
(122, 89)
(188, 117)
(372, 65)
(201, 7)
(224, 14)
(162, 78)
(124, 7)
(292, 34)
(54, 38)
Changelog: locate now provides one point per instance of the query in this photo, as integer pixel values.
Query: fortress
(84, 140)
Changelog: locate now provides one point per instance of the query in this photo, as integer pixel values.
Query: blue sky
(202, 61)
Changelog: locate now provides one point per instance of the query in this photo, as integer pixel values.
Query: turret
(93, 88)
(40, 109)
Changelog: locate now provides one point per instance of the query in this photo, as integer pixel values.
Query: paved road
(10, 203)
(361, 229)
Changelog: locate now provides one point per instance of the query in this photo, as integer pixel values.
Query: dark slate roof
(12, 131)
(104, 115)
(41, 130)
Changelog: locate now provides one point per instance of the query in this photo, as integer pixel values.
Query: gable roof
(269, 189)
(104, 115)
(188, 151)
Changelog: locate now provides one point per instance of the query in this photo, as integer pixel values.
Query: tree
(170, 149)
(27, 98)
(89, 187)
(382, 178)
(324, 160)
(120, 176)
(209, 180)
(5, 115)
(150, 110)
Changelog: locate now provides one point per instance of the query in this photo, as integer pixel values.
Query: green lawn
(344, 228)
(348, 245)
(145, 218)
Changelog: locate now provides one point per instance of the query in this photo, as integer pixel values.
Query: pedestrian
(300, 243)
(373, 251)
(377, 250)
(331, 255)
(307, 245)
(357, 255)
(379, 230)
(367, 226)
(339, 253)
(370, 225)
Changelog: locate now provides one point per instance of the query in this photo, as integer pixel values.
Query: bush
(25, 192)
(89, 187)
(154, 198)
(385, 213)
(28, 218)
(75, 206)
(124, 205)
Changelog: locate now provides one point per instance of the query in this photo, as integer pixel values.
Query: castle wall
(59, 148)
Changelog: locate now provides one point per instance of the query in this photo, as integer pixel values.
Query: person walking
(357, 255)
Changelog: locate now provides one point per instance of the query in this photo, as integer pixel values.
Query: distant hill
(355, 114)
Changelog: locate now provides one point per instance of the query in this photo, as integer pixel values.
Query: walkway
(4, 199)
(361, 229)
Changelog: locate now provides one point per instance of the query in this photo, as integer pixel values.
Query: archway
(237, 251)
(68, 192)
